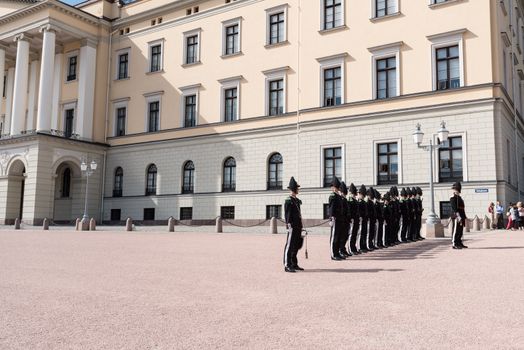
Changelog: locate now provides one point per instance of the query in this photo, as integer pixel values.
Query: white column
(57, 88)
(9, 99)
(45, 87)
(33, 95)
(86, 89)
(20, 87)
(2, 72)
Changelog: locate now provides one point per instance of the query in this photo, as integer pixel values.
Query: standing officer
(294, 228)
(414, 215)
(459, 216)
(420, 211)
(363, 214)
(335, 211)
(404, 215)
(395, 216)
(346, 223)
(372, 217)
(354, 219)
(379, 209)
(387, 218)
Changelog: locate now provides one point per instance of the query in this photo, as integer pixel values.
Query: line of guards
(367, 217)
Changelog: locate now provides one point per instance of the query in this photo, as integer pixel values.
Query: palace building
(200, 108)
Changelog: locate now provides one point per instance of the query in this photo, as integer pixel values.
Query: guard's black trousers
(380, 233)
(293, 244)
(458, 230)
(355, 225)
(363, 234)
(344, 237)
(413, 229)
(372, 233)
(337, 233)
(404, 228)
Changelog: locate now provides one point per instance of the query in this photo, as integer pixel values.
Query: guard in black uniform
(414, 214)
(294, 228)
(395, 216)
(345, 213)
(405, 210)
(420, 211)
(354, 219)
(387, 218)
(379, 208)
(458, 216)
(335, 211)
(363, 214)
(372, 217)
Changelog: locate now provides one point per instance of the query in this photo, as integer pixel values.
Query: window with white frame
(156, 63)
(383, 8)
(122, 64)
(120, 115)
(276, 24)
(192, 46)
(447, 58)
(332, 14)
(72, 66)
(189, 105)
(69, 122)
(276, 90)
(230, 93)
(332, 80)
(153, 111)
(386, 65)
(231, 37)
(332, 164)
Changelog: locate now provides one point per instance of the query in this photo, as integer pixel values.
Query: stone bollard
(92, 224)
(77, 224)
(17, 224)
(273, 225)
(218, 226)
(467, 228)
(171, 224)
(476, 223)
(45, 225)
(487, 223)
(129, 224)
(84, 224)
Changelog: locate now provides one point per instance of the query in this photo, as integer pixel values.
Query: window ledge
(122, 79)
(155, 72)
(331, 30)
(71, 81)
(239, 53)
(185, 65)
(442, 4)
(391, 15)
(282, 43)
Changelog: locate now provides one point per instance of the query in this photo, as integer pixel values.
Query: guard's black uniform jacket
(294, 236)
(336, 210)
(413, 226)
(363, 214)
(405, 218)
(354, 223)
(379, 211)
(394, 206)
(459, 213)
(418, 218)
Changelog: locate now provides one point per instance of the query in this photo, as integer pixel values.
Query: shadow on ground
(427, 249)
(353, 270)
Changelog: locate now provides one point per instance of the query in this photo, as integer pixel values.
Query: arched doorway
(15, 191)
(67, 192)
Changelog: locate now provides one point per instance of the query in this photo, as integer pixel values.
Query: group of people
(364, 220)
(515, 214)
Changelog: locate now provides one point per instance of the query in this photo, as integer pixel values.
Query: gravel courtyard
(194, 290)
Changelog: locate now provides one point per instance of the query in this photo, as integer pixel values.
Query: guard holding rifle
(458, 216)
(294, 228)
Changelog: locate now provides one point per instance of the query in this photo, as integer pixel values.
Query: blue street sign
(481, 190)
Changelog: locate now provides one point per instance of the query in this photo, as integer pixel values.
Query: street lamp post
(87, 170)
(434, 227)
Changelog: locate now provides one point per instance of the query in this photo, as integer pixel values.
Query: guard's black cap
(371, 193)
(403, 192)
(414, 191)
(457, 186)
(362, 190)
(377, 195)
(419, 191)
(386, 196)
(336, 182)
(343, 188)
(352, 189)
(293, 185)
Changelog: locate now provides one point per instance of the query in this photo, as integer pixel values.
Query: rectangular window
(149, 214)
(448, 67)
(121, 121)
(227, 213)
(69, 122)
(123, 66)
(71, 68)
(5, 83)
(332, 14)
(387, 163)
(325, 211)
(450, 160)
(273, 211)
(385, 7)
(115, 214)
(445, 210)
(154, 116)
(276, 28)
(186, 213)
(232, 39)
(276, 97)
(192, 49)
(230, 104)
(190, 111)
(156, 58)
(387, 77)
(332, 87)
(332, 164)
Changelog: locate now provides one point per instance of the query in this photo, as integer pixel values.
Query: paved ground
(144, 290)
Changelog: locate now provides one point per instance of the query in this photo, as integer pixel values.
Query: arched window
(66, 183)
(151, 180)
(274, 175)
(119, 178)
(188, 177)
(230, 173)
